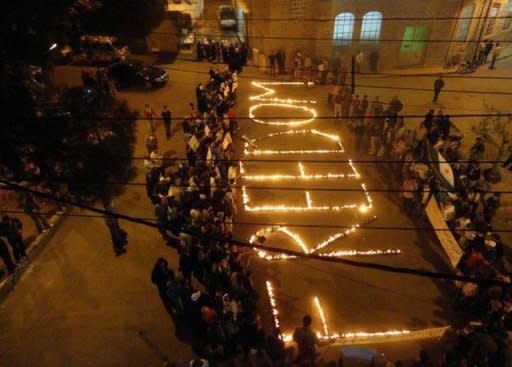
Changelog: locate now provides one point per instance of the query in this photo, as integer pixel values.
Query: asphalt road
(353, 299)
(80, 305)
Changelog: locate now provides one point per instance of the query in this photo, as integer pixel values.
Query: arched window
(464, 22)
(370, 30)
(343, 28)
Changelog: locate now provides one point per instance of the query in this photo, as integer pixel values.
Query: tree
(129, 18)
(76, 148)
(494, 130)
(30, 27)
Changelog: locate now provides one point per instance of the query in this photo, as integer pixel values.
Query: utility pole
(353, 72)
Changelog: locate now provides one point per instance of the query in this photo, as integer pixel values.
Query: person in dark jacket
(11, 229)
(438, 86)
(31, 208)
(119, 235)
(6, 257)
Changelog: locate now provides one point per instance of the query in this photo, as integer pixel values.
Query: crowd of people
(468, 205)
(211, 293)
(223, 52)
(486, 48)
(321, 69)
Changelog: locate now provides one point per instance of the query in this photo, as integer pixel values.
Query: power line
(351, 263)
(390, 87)
(286, 188)
(300, 19)
(330, 39)
(326, 117)
(444, 74)
(283, 224)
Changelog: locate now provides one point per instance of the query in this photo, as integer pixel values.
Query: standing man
(166, 117)
(279, 62)
(11, 228)
(272, 64)
(338, 99)
(359, 61)
(31, 208)
(297, 65)
(119, 235)
(488, 49)
(6, 257)
(148, 115)
(342, 75)
(495, 54)
(364, 107)
(306, 341)
(438, 85)
(373, 60)
(482, 47)
(151, 143)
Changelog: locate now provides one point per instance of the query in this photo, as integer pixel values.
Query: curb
(33, 251)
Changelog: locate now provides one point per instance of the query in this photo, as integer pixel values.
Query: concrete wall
(315, 37)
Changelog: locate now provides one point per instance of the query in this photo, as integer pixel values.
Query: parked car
(227, 18)
(102, 50)
(135, 73)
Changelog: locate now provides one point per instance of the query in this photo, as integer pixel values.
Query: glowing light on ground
(327, 333)
(269, 152)
(320, 310)
(268, 99)
(309, 207)
(273, 304)
(286, 103)
(261, 236)
(301, 176)
(349, 253)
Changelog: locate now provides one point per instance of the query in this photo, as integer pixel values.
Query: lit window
(370, 30)
(465, 22)
(492, 18)
(343, 28)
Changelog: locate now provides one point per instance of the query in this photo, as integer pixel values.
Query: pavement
(81, 305)
(9, 205)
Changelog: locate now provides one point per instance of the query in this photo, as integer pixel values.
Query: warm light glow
(320, 310)
(326, 333)
(349, 253)
(334, 138)
(288, 103)
(273, 304)
(308, 207)
(268, 99)
(362, 334)
(265, 232)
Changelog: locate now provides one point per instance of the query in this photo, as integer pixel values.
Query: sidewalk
(33, 240)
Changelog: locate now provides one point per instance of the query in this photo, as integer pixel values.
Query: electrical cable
(280, 224)
(259, 76)
(330, 39)
(283, 19)
(351, 263)
(326, 117)
(284, 188)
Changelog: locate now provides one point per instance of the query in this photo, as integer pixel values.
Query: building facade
(481, 20)
(405, 33)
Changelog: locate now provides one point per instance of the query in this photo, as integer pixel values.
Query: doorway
(412, 49)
